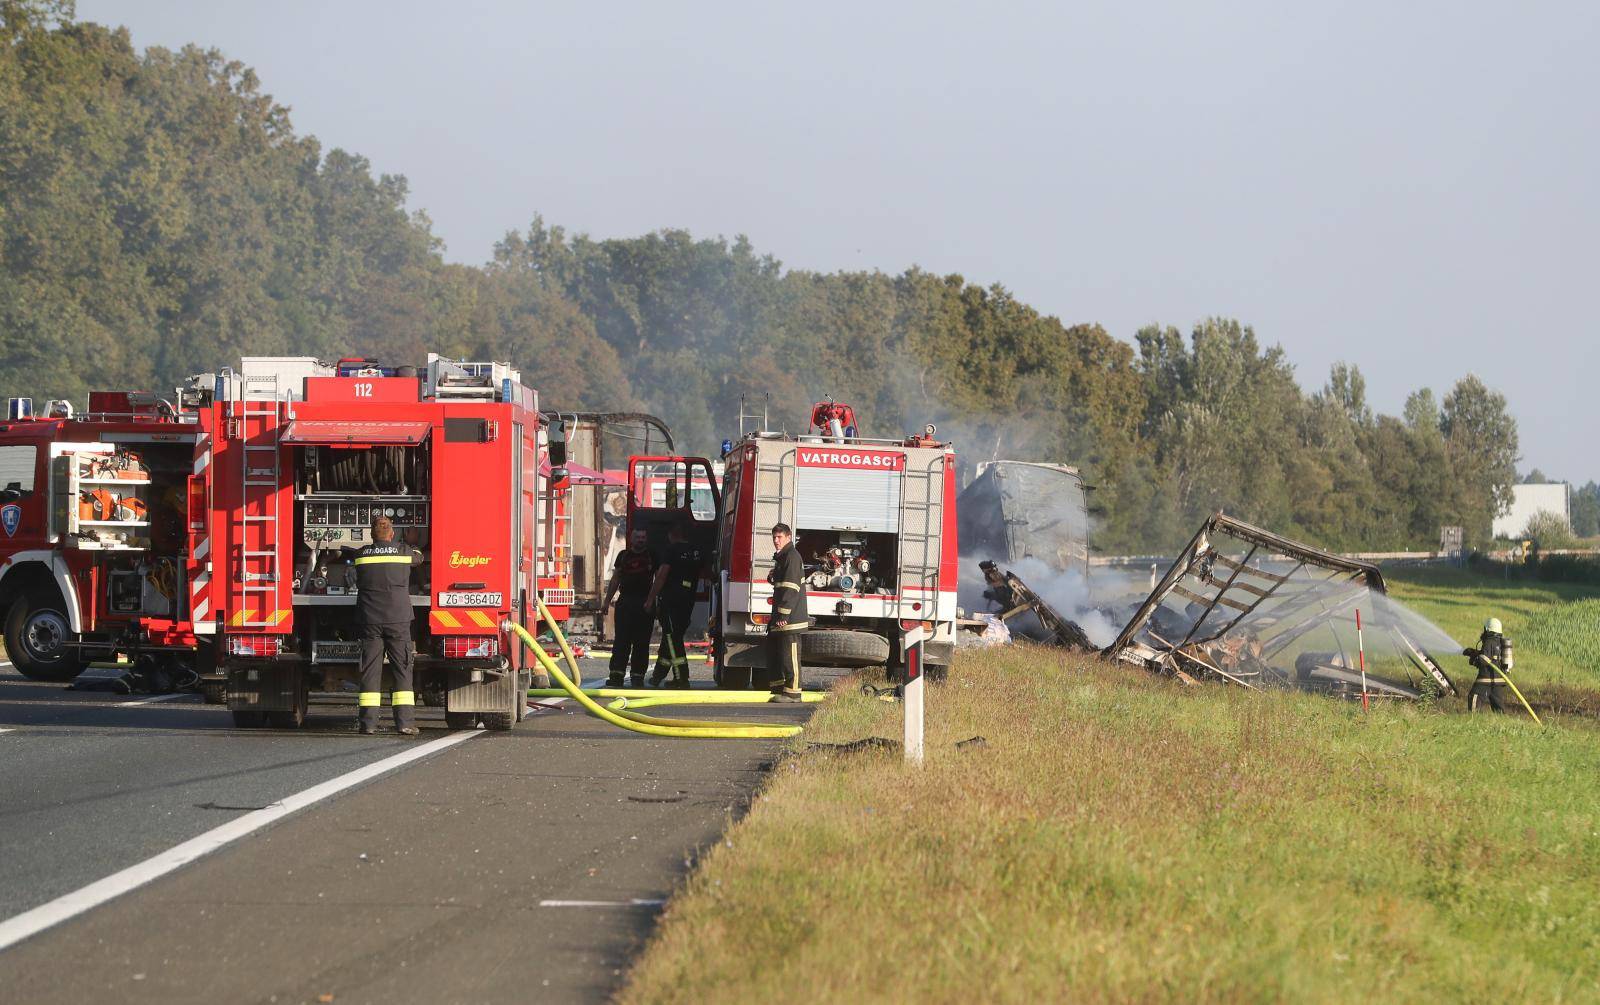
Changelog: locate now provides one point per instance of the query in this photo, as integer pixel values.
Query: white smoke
(1099, 604)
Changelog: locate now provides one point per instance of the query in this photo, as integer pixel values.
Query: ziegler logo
(460, 561)
(874, 460)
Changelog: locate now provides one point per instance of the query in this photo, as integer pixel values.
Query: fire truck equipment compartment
(330, 433)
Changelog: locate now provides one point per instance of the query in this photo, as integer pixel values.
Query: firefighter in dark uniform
(632, 576)
(789, 616)
(673, 592)
(1493, 658)
(383, 623)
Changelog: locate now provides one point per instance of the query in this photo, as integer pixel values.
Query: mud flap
(267, 688)
(495, 693)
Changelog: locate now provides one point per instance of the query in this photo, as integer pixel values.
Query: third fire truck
(874, 521)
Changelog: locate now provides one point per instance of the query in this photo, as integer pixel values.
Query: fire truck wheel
(500, 721)
(461, 720)
(292, 719)
(837, 648)
(38, 638)
(246, 719)
(734, 679)
(214, 692)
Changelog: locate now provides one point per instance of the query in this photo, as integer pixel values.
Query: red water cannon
(833, 418)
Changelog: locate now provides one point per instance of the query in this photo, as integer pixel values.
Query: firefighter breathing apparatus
(620, 712)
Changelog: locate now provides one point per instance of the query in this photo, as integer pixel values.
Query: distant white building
(1526, 500)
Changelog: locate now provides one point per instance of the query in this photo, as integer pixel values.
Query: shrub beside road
(1120, 837)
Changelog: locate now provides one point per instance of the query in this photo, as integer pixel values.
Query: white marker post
(911, 647)
(1361, 649)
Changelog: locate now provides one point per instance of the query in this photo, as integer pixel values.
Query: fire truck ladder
(747, 414)
(767, 505)
(921, 495)
(256, 579)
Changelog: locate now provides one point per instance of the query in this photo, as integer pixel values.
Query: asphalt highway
(509, 866)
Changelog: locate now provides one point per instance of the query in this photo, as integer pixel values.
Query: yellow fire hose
(620, 715)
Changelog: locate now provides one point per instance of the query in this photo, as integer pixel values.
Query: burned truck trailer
(1250, 607)
(1025, 509)
(307, 455)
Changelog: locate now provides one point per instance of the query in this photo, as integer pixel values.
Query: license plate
(456, 599)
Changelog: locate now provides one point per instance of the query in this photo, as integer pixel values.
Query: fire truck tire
(249, 719)
(734, 679)
(500, 721)
(461, 720)
(37, 639)
(295, 717)
(836, 648)
(214, 692)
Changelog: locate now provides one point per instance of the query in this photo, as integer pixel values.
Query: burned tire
(841, 648)
(461, 720)
(214, 692)
(39, 639)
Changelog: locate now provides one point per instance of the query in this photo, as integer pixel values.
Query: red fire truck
(95, 510)
(305, 456)
(874, 521)
(214, 530)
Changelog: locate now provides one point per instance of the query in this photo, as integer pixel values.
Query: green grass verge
(1124, 838)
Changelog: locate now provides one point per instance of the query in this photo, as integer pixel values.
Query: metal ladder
(256, 579)
(748, 415)
(767, 509)
(921, 491)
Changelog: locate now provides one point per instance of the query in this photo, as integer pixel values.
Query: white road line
(635, 902)
(14, 930)
(7, 731)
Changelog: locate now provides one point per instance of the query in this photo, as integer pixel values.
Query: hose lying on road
(640, 723)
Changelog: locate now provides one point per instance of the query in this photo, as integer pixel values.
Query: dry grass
(1122, 839)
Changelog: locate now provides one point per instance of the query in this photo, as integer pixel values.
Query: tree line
(159, 216)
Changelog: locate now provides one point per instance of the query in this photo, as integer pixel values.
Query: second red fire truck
(217, 529)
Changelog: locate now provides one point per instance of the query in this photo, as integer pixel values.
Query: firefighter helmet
(1493, 625)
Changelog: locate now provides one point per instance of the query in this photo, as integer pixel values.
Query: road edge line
(35, 920)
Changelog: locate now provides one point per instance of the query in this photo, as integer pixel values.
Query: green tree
(1481, 445)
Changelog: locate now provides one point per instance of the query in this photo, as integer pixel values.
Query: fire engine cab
(94, 516)
(874, 521)
(305, 455)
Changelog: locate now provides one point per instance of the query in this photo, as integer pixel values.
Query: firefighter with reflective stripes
(1493, 658)
(383, 623)
(673, 594)
(789, 616)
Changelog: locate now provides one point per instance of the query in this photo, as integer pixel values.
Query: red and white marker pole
(911, 690)
(1361, 657)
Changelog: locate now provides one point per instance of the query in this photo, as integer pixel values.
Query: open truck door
(667, 490)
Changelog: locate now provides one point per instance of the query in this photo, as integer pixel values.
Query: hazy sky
(1413, 187)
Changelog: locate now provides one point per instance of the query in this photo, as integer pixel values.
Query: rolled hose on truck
(619, 714)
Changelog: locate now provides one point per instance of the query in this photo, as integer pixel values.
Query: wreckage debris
(1249, 607)
(1015, 599)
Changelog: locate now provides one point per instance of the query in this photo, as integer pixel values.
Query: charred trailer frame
(1240, 616)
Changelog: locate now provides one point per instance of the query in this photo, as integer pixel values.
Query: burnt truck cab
(309, 455)
(95, 511)
(874, 522)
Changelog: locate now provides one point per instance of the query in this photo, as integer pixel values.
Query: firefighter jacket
(684, 563)
(383, 582)
(1493, 656)
(1495, 650)
(788, 579)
